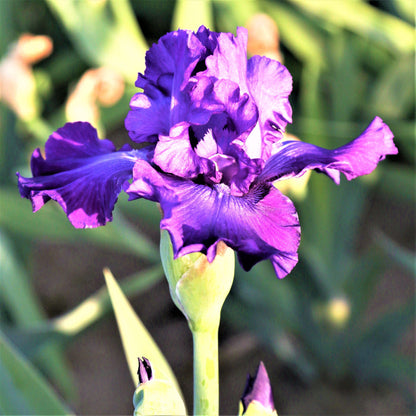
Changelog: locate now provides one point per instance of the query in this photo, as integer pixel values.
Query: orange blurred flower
(97, 86)
(17, 83)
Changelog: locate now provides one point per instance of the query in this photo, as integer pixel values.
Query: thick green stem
(206, 390)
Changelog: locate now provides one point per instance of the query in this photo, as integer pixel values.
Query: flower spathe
(212, 124)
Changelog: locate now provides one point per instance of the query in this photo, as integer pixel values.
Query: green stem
(206, 389)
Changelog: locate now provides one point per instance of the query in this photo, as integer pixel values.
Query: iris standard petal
(175, 154)
(163, 103)
(359, 157)
(229, 59)
(176, 53)
(149, 115)
(270, 85)
(260, 225)
(81, 172)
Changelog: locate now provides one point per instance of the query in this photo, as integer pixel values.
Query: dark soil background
(65, 275)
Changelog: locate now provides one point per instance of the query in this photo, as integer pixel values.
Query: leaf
(24, 309)
(398, 182)
(51, 223)
(391, 96)
(404, 257)
(365, 20)
(230, 14)
(83, 316)
(23, 390)
(137, 342)
(106, 39)
(298, 33)
(190, 14)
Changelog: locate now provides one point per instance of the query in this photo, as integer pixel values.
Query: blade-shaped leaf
(23, 390)
(100, 37)
(51, 223)
(137, 341)
(190, 14)
(364, 20)
(83, 316)
(24, 309)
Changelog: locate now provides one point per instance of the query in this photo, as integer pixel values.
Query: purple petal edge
(359, 157)
(81, 172)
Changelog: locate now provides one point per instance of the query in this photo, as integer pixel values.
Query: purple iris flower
(211, 125)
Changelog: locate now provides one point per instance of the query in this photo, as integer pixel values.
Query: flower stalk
(206, 381)
(199, 288)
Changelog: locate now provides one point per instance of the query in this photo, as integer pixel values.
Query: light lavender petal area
(359, 157)
(81, 172)
(261, 225)
(270, 85)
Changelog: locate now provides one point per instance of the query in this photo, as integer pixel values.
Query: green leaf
(83, 316)
(137, 342)
(51, 223)
(298, 33)
(398, 182)
(404, 257)
(18, 297)
(23, 390)
(190, 14)
(391, 96)
(365, 20)
(233, 13)
(100, 35)
(381, 337)
(95, 306)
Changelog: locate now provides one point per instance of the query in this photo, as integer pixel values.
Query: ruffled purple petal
(270, 85)
(149, 115)
(359, 157)
(164, 101)
(175, 54)
(261, 225)
(81, 172)
(175, 154)
(72, 144)
(229, 59)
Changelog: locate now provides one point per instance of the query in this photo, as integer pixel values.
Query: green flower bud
(197, 287)
(155, 397)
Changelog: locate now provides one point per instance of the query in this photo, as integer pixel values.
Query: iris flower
(211, 125)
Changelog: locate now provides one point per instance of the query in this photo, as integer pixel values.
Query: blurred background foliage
(345, 316)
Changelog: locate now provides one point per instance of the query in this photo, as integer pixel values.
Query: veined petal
(359, 157)
(149, 115)
(229, 59)
(81, 172)
(70, 144)
(174, 154)
(260, 225)
(270, 85)
(177, 54)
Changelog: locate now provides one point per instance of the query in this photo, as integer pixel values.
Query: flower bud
(153, 396)
(257, 399)
(198, 287)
